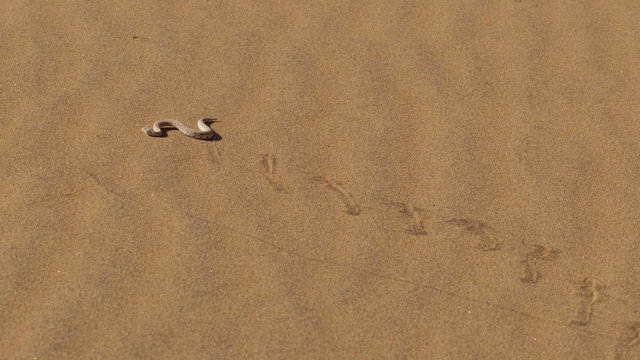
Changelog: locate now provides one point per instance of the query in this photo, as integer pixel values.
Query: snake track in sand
(205, 133)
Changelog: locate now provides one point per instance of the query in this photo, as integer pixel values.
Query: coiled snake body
(205, 133)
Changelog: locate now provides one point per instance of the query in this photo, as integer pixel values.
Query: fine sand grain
(388, 180)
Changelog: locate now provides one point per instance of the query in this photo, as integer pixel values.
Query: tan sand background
(519, 116)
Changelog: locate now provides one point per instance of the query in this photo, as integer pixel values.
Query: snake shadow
(208, 121)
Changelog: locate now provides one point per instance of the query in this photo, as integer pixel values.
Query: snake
(205, 133)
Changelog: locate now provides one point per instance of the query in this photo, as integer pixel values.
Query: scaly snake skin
(206, 133)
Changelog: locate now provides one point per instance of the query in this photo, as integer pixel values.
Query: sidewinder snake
(205, 133)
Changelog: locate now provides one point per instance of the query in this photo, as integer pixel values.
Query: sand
(391, 180)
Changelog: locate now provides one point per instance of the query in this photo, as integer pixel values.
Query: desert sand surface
(389, 180)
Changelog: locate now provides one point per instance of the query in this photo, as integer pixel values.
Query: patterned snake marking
(205, 133)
